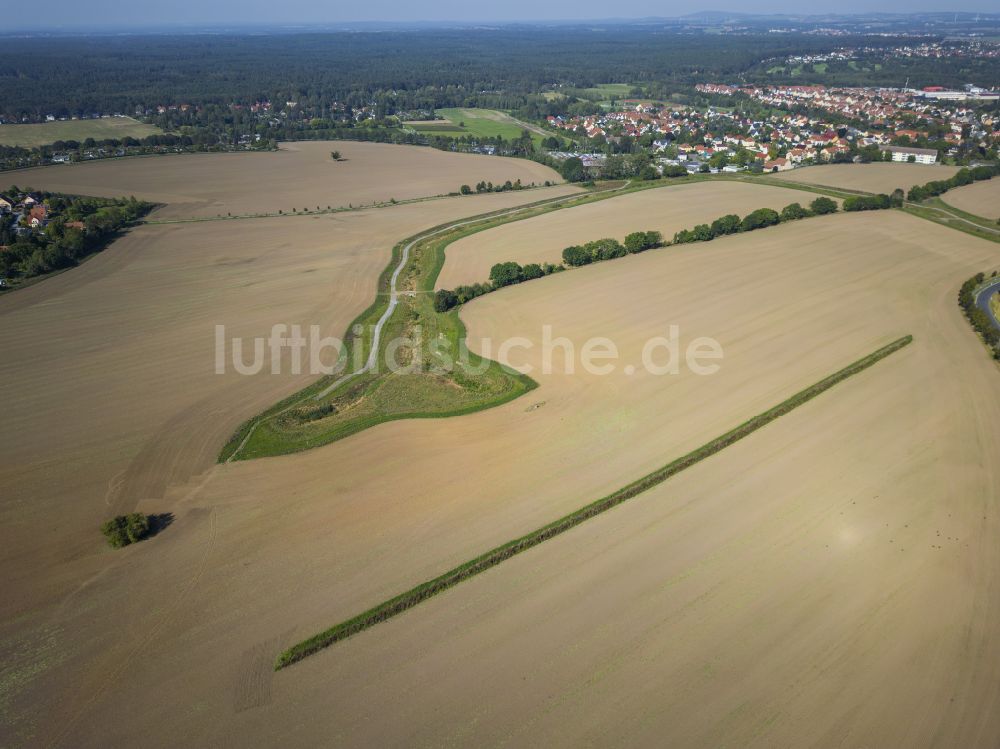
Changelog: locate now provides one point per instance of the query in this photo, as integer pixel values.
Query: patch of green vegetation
(494, 557)
(609, 89)
(481, 123)
(125, 529)
(41, 134)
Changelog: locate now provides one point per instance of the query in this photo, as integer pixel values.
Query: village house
(38, 216)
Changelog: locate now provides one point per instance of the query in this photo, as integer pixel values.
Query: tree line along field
(665, 209)
(40, 134)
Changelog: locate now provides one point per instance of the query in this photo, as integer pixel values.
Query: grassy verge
(492, 558)
(979, 220)
(939, 216)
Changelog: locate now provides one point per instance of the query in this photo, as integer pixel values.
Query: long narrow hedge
(412, 597)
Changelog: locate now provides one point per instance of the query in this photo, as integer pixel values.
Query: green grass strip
(422, 592)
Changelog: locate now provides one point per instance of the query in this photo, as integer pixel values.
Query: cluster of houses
(28, 212)
(886, 111)
(883, 119)
(691, 137)
(978, 48)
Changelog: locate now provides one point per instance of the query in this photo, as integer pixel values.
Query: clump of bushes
(823, 205)
(317, 413)
(873, 202)
(501, 274)
(608, 249)
(125, 529)
(980, 321)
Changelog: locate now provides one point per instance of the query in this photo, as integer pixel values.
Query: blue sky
(114, 13)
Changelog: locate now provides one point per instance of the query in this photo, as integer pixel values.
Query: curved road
(394, 292)
(394, 300)
(983, 299)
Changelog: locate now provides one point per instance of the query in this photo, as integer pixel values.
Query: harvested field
(853, 542)
(115, 368)
(884, 177)
(667, 209)
(299, 175)
(981, 198)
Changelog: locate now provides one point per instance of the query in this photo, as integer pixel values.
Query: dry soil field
(832, 580)
(113, 363)
(299, 175)
(869, 177)
(981, 198)
(667, 209)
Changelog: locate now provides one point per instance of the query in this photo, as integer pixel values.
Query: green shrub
(576, 255)
(793, 212)
(823, 205)
(759, 219)
(126, 529)
(728, 224)
(505, 274)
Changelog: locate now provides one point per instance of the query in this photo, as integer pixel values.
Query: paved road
(983, 300)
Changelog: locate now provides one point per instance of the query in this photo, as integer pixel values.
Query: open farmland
(980, 199)
(298, 176)
(667, 209)
(28, 136)
(852, 541)
(124, 345)
(884, 177)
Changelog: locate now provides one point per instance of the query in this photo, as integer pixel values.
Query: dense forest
(496, 68)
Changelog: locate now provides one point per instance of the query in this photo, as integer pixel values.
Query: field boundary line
(409, 599)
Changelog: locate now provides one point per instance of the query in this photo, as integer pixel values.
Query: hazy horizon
(63, 15)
